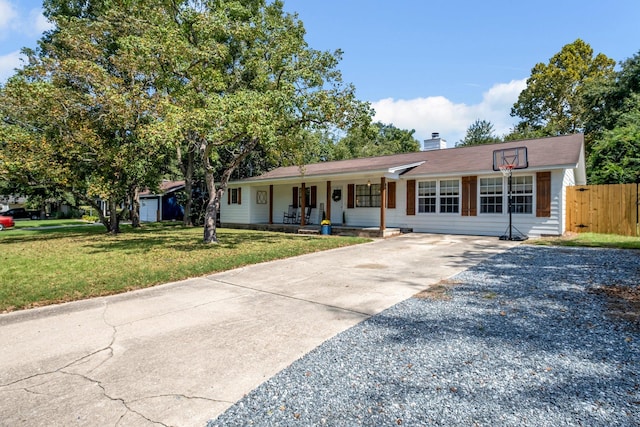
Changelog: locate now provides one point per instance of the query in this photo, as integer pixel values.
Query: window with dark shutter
(411, 197)
(391, 195)
(294, 202)
(543, 194)
(314, 196)
(351, 196)
(469, 195)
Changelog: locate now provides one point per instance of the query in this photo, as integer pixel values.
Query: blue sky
(432, 66)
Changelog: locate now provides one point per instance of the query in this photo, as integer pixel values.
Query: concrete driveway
(180, 354)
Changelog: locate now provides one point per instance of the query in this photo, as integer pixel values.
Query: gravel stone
(522, 341)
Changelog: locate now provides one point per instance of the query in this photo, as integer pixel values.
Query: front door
(337, 198)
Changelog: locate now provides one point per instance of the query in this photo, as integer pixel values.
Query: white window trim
(505, 196)
(438, 196)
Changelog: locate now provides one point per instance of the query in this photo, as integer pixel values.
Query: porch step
(308, 231)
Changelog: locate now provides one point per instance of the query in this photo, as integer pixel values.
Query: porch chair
(307, 215)
(290, 216)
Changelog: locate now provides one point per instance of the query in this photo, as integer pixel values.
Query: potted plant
(325, 227)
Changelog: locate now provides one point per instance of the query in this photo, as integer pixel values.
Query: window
(368, 196)
(449, 196)
(427, 196)
(234, 196)
(522, 194)
(491, 199)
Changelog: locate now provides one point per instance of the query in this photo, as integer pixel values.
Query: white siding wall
(237, 213)
(259, 212)
(481, 224)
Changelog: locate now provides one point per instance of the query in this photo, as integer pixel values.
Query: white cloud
(37, 23)
(15, 22)
(8, 14)
(8, 64)
(451, 120)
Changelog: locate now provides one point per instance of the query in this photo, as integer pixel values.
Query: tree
(240, 77)
(480, 132)
(615, 158)
(553, 103)
(378, 139)
(610, 97)
(75, 117)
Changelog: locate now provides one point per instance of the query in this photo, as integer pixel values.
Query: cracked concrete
(180, 354)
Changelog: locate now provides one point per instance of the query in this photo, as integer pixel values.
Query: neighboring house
(456, 190)
(9, 202)
(163, 206)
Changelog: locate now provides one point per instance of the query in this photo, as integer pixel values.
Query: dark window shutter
(314, 196)
(295, 198)
(239, 196)
(469, 196)
(411, 197)
(228, 196)
(543, 194)
(351, 195)
(391, 195)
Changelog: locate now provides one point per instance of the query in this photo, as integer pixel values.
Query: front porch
(336, 230)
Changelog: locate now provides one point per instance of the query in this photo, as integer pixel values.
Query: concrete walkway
(180, 354)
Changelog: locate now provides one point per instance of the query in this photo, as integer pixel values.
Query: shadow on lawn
(184, 239)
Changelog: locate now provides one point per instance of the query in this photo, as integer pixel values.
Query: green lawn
(28, 223)
(594, 240)
(50, 265)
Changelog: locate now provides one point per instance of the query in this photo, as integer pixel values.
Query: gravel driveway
(523, 339)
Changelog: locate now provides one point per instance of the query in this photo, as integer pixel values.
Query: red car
(6, 222)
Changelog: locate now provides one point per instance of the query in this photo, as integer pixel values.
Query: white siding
(236, 213)
(259, 212)
(568, 180)
(481, 224)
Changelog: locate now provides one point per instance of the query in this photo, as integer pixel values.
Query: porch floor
(336, 230)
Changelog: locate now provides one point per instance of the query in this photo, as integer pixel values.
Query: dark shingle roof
(542, 153)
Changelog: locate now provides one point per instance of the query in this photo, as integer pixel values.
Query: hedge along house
(456, 191)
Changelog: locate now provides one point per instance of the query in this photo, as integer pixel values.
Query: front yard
(52, 265)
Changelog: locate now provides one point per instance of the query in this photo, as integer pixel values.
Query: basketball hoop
(506, 169)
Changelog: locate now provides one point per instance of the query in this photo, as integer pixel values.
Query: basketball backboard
(515, 157)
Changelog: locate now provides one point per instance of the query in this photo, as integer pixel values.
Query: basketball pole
(508, 172)
(510, 203)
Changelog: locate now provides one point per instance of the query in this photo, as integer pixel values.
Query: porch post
(383, 203)
(328, 202)
(271, 204)
(303, 201)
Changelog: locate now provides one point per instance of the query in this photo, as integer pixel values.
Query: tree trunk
(135, 207)
(114, 220)
(211, 213)
(213, 206)
(188, 189)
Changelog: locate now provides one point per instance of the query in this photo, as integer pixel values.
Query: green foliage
(377, 139)
(480, 132)
(243, 87)
(553, 103)
(76, 116)
(615, 157)
(614, 125)
(119, 92)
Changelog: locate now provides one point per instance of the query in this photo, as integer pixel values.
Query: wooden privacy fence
(608, 209)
